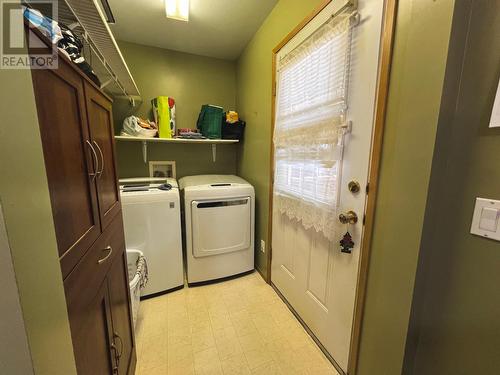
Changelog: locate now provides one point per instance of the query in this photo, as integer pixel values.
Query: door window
(312, 82)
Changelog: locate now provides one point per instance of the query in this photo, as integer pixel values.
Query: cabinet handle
(107, 248)
(99, 174)
(120, 352)
(117, 359)
(95, 162)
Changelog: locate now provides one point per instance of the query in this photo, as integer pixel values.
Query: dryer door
(220, 226)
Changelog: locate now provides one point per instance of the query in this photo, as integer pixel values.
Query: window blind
(311, 104)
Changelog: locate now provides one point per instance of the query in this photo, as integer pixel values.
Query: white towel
(142, 271)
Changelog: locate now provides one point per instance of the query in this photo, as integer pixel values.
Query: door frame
(381, 98)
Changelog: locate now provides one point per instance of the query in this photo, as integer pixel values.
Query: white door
(312, 273)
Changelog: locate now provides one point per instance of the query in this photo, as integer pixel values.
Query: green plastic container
(210, 121)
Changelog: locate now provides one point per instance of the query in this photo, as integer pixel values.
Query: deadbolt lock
(350, 217)
(354, 187)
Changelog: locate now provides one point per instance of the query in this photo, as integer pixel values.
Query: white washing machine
(152, 221)
(219, 215)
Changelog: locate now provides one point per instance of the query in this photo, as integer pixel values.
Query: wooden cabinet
(76, 126)
(67, 150)
(76, 129)
(98, 302)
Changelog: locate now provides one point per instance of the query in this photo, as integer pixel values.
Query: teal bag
(210, 121)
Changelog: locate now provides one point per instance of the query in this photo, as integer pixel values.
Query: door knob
(354, 186)
(350, 217)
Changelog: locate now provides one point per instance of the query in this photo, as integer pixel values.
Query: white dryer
(219, 216)
(152, 221)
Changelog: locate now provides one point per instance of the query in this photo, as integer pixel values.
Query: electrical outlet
(262, 246)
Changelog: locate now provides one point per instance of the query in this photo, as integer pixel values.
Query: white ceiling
(216, 28)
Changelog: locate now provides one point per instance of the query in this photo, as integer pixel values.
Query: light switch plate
(486, 219)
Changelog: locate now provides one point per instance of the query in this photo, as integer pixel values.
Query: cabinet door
(100, 119)
(69, 160)
(92, 334)
(93, 295)
(119, 294)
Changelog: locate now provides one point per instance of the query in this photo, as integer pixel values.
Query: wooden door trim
(385, 60)
(382, 91)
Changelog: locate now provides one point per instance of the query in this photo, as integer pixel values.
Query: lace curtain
(311, 104)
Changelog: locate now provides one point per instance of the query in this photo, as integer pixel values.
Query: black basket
(233, 131)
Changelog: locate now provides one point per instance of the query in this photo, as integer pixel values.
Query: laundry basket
(134, 278)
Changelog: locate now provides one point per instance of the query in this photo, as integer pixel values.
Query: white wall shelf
(175, 140)
(212, 142)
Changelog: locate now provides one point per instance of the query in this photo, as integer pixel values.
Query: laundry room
(210, 134)
(260, 187)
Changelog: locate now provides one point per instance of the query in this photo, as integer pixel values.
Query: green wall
(190, 159)
(416, 81)
(27, 212)
(192, 81)
(254, 105)
(455, 324)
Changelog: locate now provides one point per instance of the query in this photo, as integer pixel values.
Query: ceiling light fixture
(177, 9)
